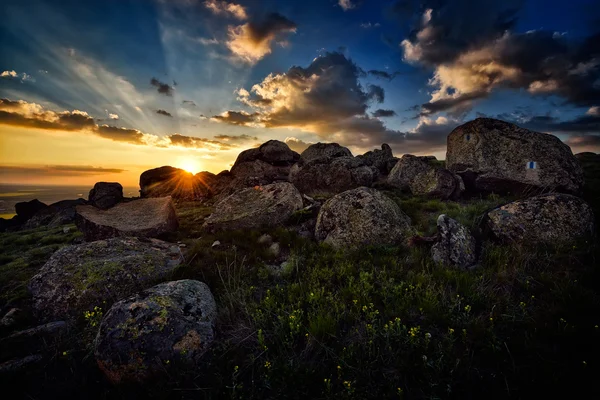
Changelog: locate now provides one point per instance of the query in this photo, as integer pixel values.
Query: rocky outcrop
(77, 278)
(177, 183)
(383, 160)
(256, 207)
(422, 177)
(27, 209)
(550, 218)
(324, 150)
(455, 247)
(105, 195)
(140, 218)
(162, 329)
(331, 175)
(266, 164)
(496, 156)
(59, 213)
(361, 216)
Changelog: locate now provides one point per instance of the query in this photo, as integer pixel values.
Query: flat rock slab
(257, 207)
(167, 326)
(140, 218)
(78, 278)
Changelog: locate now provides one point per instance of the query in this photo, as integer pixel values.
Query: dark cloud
(296, 144)
(376, 93)
(195, 142)
(383, 113)
(453, 105)
(383, 74)
(58, 170)
(236, 117)
(591, 142)
(188, 103)
(252, 40)
(163, 112)
(132, 136)
(162, 87)
(472, 51)
(234, 138)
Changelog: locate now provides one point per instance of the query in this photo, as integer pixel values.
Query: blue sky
(129, 84)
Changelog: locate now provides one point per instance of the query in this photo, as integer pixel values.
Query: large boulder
(360, 216)
(551, 218)
(105, 195)
(422, 177)
(59, 213)
(383, 160)
(324, 150)
(266, 164)
(77, 278)
(27, 209)
(496, 156)
(455, 247)
(331, 175)
(141, 218)
(162, 329)
(261, 206)
(177, 183)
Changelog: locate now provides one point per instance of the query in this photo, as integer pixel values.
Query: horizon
(192, 83)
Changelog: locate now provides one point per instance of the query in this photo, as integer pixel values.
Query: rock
(140, 218)
(66, 229)
(216, 243)
(331, 175)
(419, 176)
(380, 159)
(79, 277)
(11, 317)
(56, 214)
(550, 218)
(274, 250)
(179, 184)
(496, 156)
(359, 217)
(265, 239)
(105, 195)
(167, 326)
(455, 246)
(18, 365)
(27, 209)
(51, 329)
(324, 150)
(262, 206)
(272, 152)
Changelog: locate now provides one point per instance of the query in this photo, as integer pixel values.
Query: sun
(189, 164)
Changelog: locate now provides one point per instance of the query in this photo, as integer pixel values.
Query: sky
(101, 90)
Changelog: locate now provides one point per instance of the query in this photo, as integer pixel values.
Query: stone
(496, 156)
(56, 214)
(455, 247)
(361, 216)
(216, 243)
(324, 150)
(18, 365)
(180, 184)
(250, 208)
(50, 329)
(331, 175)
(166, 327)
(274, 250)
(11, 317)
(27, 209)
(383, 160)
(79, 277)
(141, 218)
(105, 195)
(421, 177)
(550, 218)
(265, 239)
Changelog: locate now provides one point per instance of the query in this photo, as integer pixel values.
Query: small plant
(93, 317)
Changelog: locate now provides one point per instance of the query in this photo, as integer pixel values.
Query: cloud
(584, 142)
(113, 116)
(165, 113)
(472, 52)
(234, 138)
(346, 4)
(297, 145)
(237, 118)
(14, 75)
(30, 115)
(369, 25)
(58, 170)
(252, 41)
(161, 87)
(594, 111)
(188, 103)
(383, 74)
(228, 9)
(383, 113)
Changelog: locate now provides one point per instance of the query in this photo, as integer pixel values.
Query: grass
(382, 322)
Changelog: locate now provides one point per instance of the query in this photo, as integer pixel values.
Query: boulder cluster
(150, 329)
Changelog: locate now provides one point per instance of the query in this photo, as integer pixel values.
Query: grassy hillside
(382, 322)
